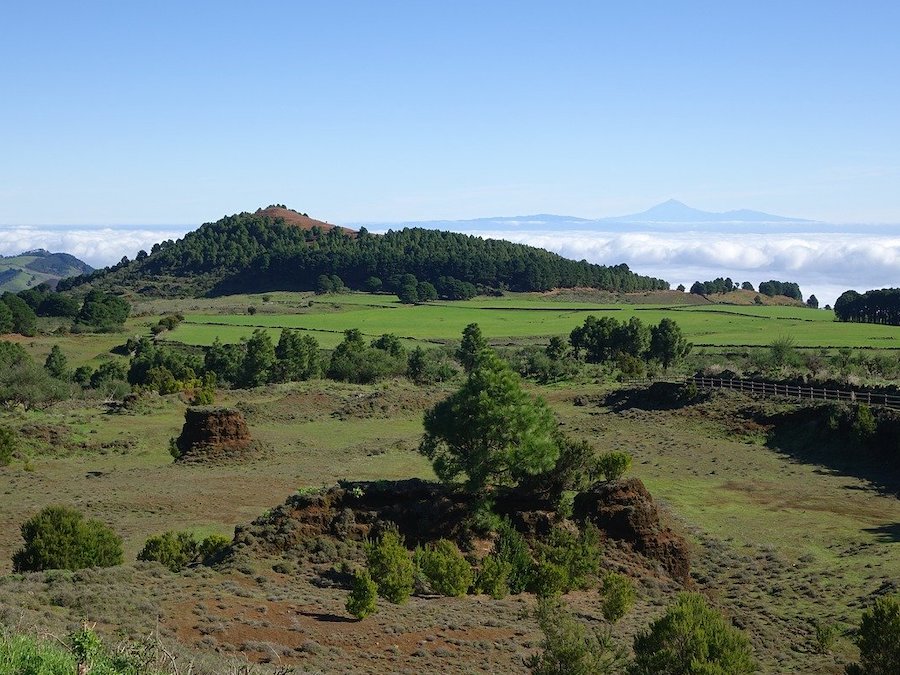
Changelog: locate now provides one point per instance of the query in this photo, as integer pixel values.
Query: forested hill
(255, 252)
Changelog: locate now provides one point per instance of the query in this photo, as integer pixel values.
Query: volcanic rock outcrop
(624, 510)
(213, 434)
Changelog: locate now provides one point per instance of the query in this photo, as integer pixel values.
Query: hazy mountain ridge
(37, 266)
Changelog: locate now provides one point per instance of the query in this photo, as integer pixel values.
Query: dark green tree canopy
(491, 431)
(875, 306)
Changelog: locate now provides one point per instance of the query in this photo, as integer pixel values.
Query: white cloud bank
(824, 264)
(97, 246)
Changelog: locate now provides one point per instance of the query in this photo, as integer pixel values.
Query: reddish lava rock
(625, 510)
(211, 434)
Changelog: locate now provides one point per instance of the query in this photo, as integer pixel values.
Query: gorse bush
(60, 538)
(617, 596)
(691, 638)
(447, 571)
(391, 567)
(363, 596)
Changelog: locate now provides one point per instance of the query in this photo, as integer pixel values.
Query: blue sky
(181, 112)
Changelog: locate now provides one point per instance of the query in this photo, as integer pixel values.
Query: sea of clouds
(823, 263)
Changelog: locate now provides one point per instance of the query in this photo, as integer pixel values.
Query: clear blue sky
(180, 112)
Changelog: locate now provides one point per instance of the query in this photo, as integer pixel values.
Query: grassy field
(778, 539)
(525, 317)
(777, 542)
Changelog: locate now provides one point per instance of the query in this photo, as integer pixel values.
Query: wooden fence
(756, 388)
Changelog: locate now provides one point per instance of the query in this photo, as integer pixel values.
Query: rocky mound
(424, 511)
(624, 510)
(297, 219)
(211, 434)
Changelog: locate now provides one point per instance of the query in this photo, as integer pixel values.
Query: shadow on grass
(804, 436)
(658, 396)
(888, 533)
(328, 618)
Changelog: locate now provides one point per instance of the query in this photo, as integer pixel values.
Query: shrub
(9, 443)
(825, 634)
(548, 579)
(569, 648)
(448, 572)
(213, 546)
(613, 465)
(174, 550)
(59, 538)
(493, 577)
(618, 596)
(691, 638)
(577, 556)
(864, 425)
(511, 548)
(879, 639)
(362, 599)
(391, 567)
(177, 550)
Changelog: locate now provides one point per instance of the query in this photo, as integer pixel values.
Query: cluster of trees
(789, 289)
(718, 285)
(607, 339)
(254, 252)
(875, 306)
(98, 311)
(770, 288)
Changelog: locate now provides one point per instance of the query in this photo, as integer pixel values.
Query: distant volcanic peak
(297, 219)
(674, 211)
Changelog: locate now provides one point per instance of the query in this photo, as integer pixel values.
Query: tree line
(97, 311)
(875, 306)
(251, 252)
(769, 288)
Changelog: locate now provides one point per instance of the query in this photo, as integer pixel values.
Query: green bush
(613, 465)
(59, 538)
(447, 571)
(213, 546)
(879, 639)
(362, 599)
(175, 550)
(617, 595)
(511, 548)
(548, 579)
(569, 648)
(577, 555)
(9, 443)
(391, 567)
(493, 577)
(691, 638)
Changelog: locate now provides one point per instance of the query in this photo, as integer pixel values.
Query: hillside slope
(258, 252)
(31, 268)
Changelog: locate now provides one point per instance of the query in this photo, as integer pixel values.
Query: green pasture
(523, 318)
